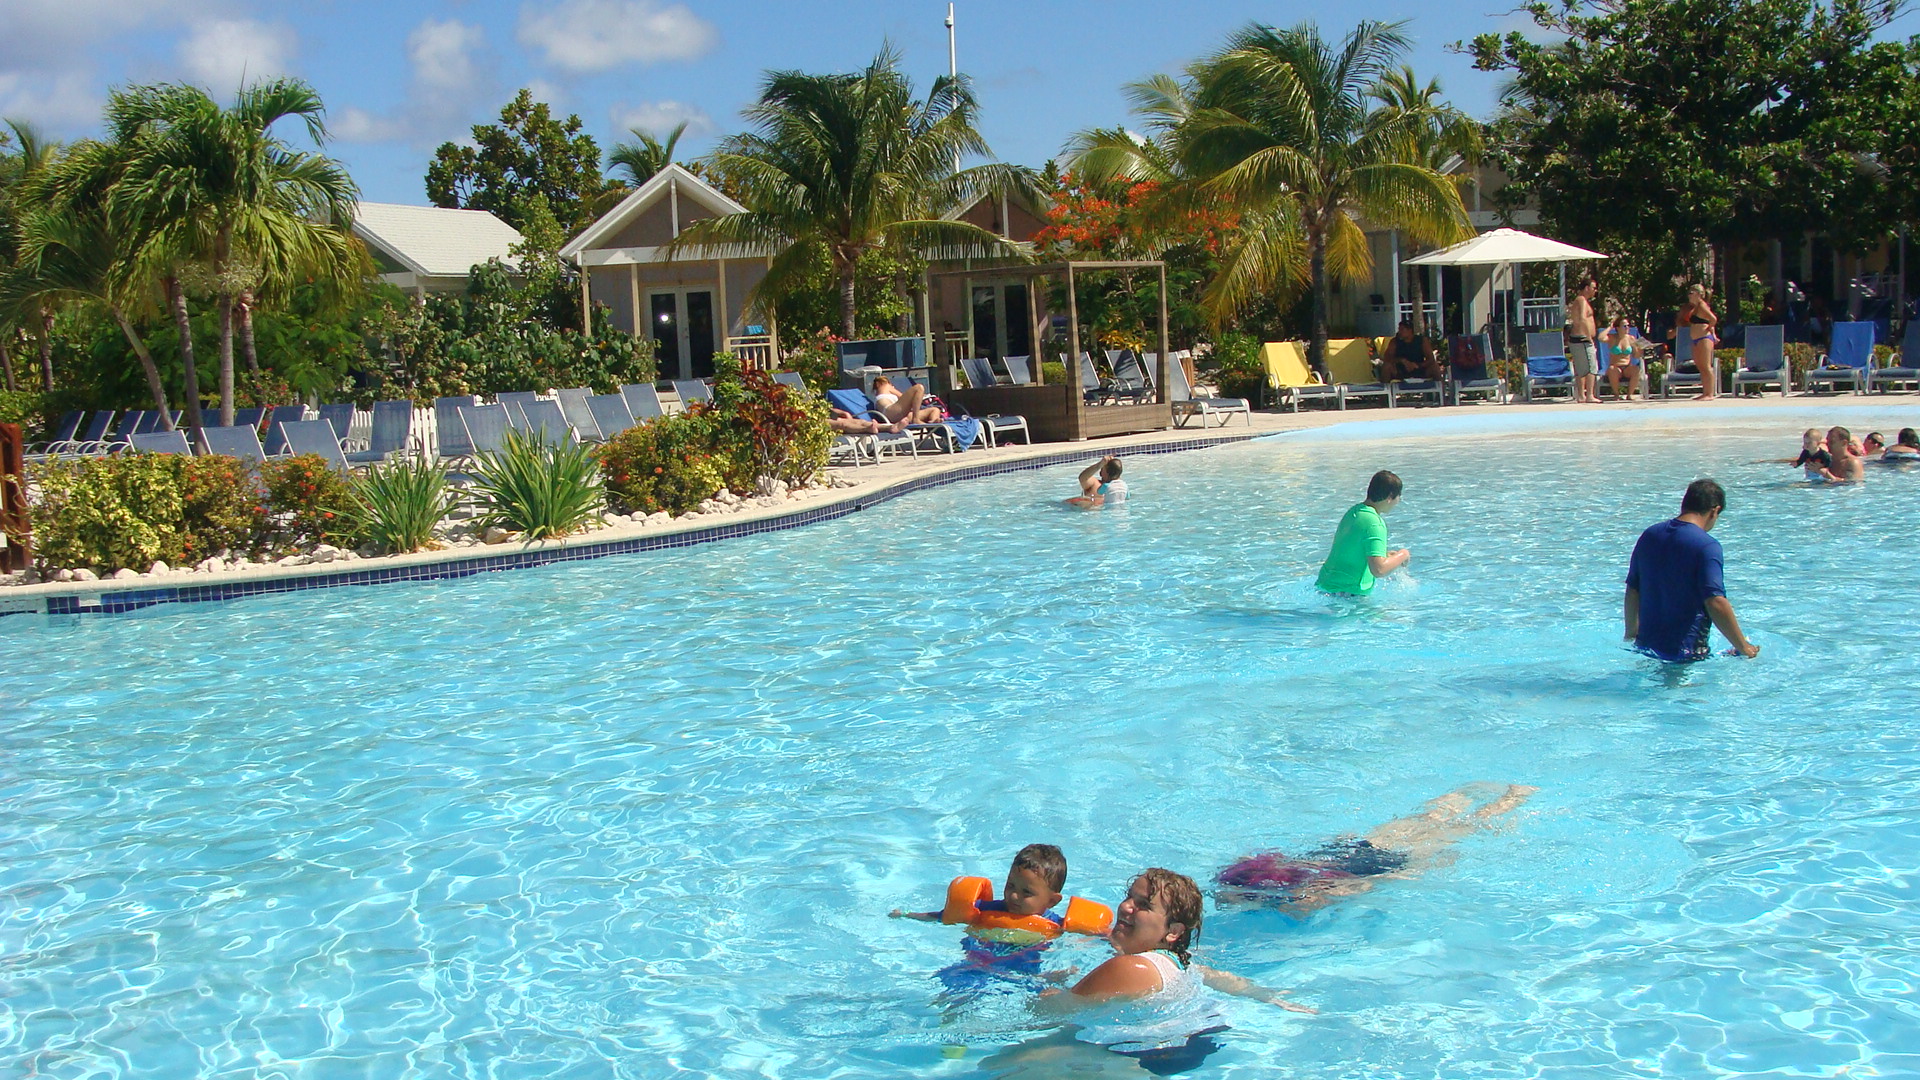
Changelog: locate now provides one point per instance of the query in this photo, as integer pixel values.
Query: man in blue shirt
(1674, 587)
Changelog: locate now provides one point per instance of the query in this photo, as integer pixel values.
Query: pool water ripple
(644, 816)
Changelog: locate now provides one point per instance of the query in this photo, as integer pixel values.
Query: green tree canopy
(1682, 122)
(527, 154)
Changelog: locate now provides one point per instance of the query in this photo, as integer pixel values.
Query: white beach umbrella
(1506, 247)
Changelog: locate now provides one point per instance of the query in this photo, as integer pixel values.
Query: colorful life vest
(966, 894)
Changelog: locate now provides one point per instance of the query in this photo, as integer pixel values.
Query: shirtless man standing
(1581, 331)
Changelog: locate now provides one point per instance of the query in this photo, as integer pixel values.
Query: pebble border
(119, 601)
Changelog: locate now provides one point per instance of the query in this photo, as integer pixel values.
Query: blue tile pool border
(119, 601)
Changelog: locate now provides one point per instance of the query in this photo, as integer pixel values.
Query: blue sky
(402, 76)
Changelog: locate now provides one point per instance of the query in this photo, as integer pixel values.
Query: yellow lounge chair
(1350, 362)
(1289, 376)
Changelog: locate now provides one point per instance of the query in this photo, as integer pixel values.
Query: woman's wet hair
(1177, 899)
(1909, 437)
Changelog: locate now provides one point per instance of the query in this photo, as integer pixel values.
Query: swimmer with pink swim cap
(1400, 848)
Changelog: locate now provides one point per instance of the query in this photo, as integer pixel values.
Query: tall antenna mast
(953, 58)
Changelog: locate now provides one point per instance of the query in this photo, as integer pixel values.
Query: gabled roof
(433, 241)
(643, 197)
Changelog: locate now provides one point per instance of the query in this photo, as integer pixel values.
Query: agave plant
(396, 505)
(536, 489)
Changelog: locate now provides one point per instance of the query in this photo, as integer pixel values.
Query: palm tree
(69, 254)
(1444, 138)
(227, 203)
(1281, 124)
(20, 171)
(841, 165)
(646, 157)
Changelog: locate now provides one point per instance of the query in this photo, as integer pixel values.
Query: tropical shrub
(131, 510)
(1054, 372)
(772, 431)
(28, 408)
(666, 465)
(308, 504)
(222, 508)
(814, 357)
(537, 490)
(395, 505)
(1240, 371)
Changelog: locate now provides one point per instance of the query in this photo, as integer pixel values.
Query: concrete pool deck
(874, 484)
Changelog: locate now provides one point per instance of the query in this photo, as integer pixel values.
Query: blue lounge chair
(135, 422)
(643, 401)
(544, 421)
(1906, 369)
(314, 437)
(64, 431)
(1019, 371)
(1132, 379)
(1682, 354)
(339, 414)
(1093, 389)
(248, 418)
(276, 443)
(1848, 359)
(979, 372)
(790, 378)
(515, 401)
(1186, 406)
(1765, 360)
(159, 442)
(392, 431)
(578, 414)
(94, 440)
(692, 390)
(238, 441)
(450, 441)
(486, 427)
(1547, 366)
(610, 414)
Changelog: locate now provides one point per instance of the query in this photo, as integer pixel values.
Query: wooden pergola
(1061, 413)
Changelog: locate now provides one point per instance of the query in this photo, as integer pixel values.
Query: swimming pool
(644, 816)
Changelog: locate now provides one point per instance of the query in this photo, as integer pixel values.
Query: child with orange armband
(1006, 937)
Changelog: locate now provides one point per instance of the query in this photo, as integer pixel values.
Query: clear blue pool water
(643, 817)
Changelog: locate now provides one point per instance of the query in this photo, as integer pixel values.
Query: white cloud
(659, 117)
(550, 92)
(225, 53)
(442, 53)
(64, 100)
(594, 35)
(42, 33)
(449, 74)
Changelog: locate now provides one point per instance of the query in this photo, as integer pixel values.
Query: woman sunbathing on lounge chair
(845, 423)
(905, 408)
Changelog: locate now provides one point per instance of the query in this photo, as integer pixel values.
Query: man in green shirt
(1360, 552)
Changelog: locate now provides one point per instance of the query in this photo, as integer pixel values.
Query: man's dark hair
(1111, 471)
(1382, 487)
(1585, 280)
(1045, 860)
(1703, 497)
(1406, 324)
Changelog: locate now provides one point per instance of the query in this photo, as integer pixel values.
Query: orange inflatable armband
(1087, 917)
(964, 897)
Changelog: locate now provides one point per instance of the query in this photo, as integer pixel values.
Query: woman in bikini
(1701, 322)
(1399, 849)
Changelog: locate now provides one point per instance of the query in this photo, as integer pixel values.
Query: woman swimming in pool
(1349, 865)
(1153, 929)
